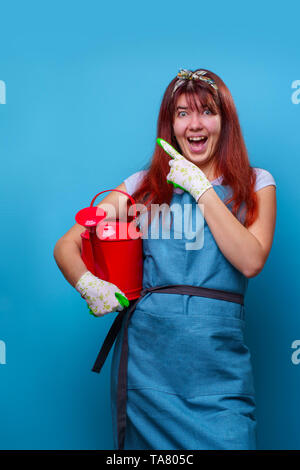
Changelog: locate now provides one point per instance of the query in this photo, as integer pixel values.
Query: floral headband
(184, 74)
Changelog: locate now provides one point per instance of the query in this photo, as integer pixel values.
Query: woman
(181, 374)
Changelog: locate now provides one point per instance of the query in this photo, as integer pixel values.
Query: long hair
(230, 156)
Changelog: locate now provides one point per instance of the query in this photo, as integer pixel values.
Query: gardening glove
(184, 174)
(101, 296)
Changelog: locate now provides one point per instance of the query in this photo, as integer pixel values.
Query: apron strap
(185, 289)
(111, 337)
(169, 289)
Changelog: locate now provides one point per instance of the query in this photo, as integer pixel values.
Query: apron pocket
(188, 355)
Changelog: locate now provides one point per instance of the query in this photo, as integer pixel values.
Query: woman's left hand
(187, 176)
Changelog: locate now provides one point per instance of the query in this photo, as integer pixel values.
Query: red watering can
(112, 249)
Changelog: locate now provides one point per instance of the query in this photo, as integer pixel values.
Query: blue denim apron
(189, 382)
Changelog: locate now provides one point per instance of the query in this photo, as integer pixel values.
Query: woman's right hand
(99, 294)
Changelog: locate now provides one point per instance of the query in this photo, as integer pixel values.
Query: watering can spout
(90, 216)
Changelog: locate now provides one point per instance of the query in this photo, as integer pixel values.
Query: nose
(196, 122)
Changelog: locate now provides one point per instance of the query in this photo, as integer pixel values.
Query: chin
(197, 158)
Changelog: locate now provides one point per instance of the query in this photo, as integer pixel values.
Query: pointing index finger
(169, 149)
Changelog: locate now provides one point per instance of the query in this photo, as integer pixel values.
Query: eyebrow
(186, 107)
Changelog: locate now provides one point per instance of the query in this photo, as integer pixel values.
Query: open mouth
(197, 144)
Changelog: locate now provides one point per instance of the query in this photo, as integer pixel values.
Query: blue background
(84, 82)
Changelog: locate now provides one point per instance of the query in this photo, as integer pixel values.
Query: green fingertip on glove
(90, 311)
(122, 299)
(169, 149)
(158, 140)
(176, 185)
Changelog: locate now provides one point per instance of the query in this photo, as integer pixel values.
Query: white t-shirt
(263, 178)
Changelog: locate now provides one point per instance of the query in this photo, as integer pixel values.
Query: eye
(207, 110)
(180, 112)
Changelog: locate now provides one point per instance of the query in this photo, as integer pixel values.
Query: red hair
(230, 157)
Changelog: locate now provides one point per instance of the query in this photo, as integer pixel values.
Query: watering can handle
(131, 198)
